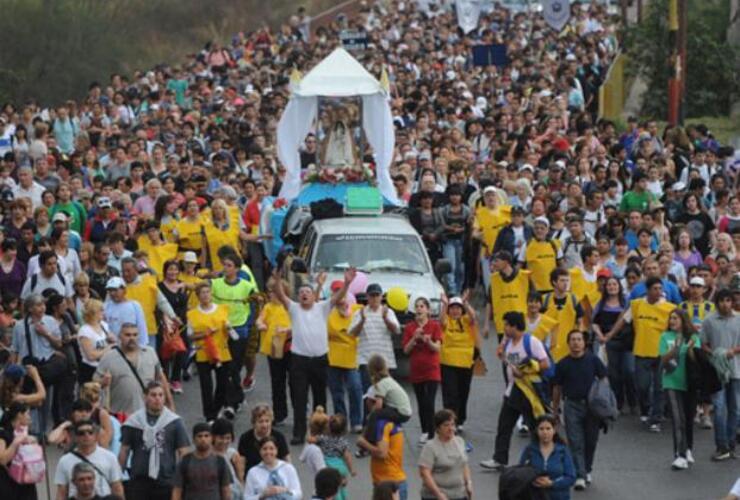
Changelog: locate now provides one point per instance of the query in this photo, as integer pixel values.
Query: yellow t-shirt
(217, 320)
(157, 255)
(145, 293)
(168, 229)
(190, 234)
(191, 280)
(458, 343)
(540, 257)
(342, 345)
(389, 468)
(490, 222)
(649, 322)
(584, 290)
(566, 319)
(508, 296)
(217, 238)
(275, 316)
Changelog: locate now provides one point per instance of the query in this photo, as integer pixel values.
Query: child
(318, 427)
(336, 451)
(391, 401)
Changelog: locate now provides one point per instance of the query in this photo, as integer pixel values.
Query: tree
(712, 82)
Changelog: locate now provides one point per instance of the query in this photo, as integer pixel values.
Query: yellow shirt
(217, 238)
(649, 322)
(342, 345)
(157, 255)
(490, 222)
(540, 257)
(584, 290)
(145, 293)
(190, 234)
(168, 229)
(275, 316)
(508, 296)
(217, 320)
(191, 280)
(389, 468)
(544, 327)
(458, 343)
(567, 320)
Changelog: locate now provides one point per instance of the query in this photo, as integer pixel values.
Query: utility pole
(678, 28)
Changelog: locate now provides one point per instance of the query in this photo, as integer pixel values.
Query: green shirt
(676, 379)
(632, 200)
(76, 212)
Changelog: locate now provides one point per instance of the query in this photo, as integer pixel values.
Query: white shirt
(98, 340)
(34, 193)
(375, 337)
(310, 337)
(103, 459)
(258, 476)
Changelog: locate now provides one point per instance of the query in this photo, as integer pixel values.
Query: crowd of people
(136, 250)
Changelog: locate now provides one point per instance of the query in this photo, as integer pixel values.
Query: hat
(503, 255)
(190, 257)
(14, 372)
(678, 186)
(571, 57)
(697, 281)
(527, 166)
(336, 285)
(489, 189)
(604, 273)
(542, 220)
(114, 283)
(456, 301)
(104, 202)
(426, 155)
(374, 289)
(59, 217)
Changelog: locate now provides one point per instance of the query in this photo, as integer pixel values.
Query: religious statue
(339, 150)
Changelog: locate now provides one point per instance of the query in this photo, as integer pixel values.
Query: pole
(681, 40)
(674, 62)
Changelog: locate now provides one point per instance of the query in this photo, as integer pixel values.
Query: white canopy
(338, 75)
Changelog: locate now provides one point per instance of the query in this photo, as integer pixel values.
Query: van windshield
(371, 252)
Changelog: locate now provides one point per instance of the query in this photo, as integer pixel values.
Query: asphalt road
(631, 463)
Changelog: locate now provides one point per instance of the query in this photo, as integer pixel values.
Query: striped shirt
(375, 337)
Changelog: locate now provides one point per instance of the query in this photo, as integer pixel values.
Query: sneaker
(228, 413)
(357, 429)
(423, 439)
(580, 484)
(176, 387)
(721, 455)
(468, 447)
(655, 428)
(706, 422)
(491, 464)
(589, 479)
(361, 453)
(689, 457)
(248, 384)
(521, 429)
(680, 463)
(296, 440)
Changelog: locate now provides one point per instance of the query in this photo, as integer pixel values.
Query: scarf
(274, 479)
(149, 435)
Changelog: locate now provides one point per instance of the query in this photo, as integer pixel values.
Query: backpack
(28, 466)
(601, 400)
(527, 339)
(35, 279)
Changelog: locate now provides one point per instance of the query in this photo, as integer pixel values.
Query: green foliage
(712, 81)
(52, 49)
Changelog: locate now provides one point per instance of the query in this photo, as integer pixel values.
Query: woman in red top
(422, 339)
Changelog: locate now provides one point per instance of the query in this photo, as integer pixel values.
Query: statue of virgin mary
(339, 149)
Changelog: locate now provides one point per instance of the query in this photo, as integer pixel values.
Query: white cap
(114, 283)
(697, 280)
(59, 217)
(527, 166)
(190, 257)
(104, 202)
(678, 186)
(455, 301)
(489, 189)
(542, 220)
(570, 57)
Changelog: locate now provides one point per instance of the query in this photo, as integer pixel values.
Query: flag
(468, 13)
(556, 13)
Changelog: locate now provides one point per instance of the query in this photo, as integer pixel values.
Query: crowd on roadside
(136, 244)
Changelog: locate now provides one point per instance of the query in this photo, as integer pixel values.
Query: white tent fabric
(338, 75)
(294, 126)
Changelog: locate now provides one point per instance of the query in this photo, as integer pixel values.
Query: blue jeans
(485, 271)
(622, 376)
(340, 378)
(582, 430)
(649, 390)
(403, 490)
(453, 252)
(725, 403)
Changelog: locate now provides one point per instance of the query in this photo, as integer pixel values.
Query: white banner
(468, 13)
(556, 13)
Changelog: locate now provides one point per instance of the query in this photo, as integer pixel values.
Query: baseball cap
(190, 257)
(697, 281)
(455, 301)
(604, 273)
(59, 217)
(527, 166)
(336, 285)
(104, 202)
(542, 220)
(14, 372)
(114, 283)
(489, 189)
(374, 289)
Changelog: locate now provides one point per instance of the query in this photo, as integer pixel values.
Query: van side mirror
(442, 267)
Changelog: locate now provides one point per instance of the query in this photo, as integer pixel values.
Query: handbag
(479, 367)
(172, 344)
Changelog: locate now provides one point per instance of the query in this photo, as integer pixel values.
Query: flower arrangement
(337, 175)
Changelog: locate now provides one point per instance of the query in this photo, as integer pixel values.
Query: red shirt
(252, 215)
(424, 362)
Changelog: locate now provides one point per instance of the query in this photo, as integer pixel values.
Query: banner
(556, 13)
(468, 13)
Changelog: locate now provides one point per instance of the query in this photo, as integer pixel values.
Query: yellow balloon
(397, 298)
